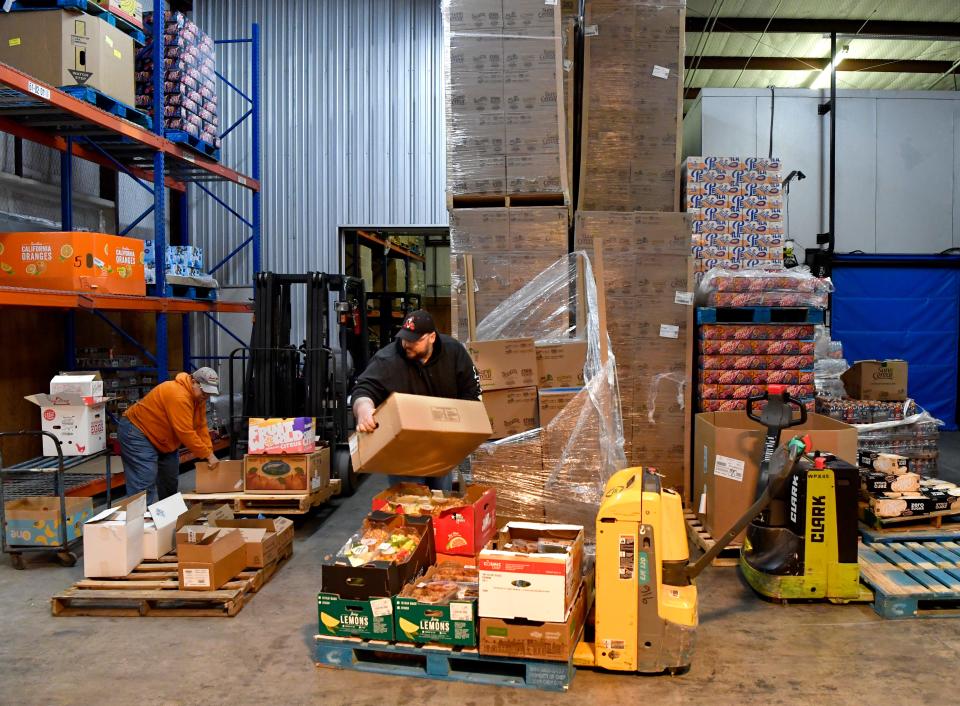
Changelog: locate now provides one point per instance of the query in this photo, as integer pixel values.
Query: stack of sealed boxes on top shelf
(629, 200)
(189, 82)
(736, 212)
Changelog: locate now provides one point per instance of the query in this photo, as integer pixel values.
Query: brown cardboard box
(69, 49)
(227, 477)
(561, 364)
(553, 400)
(298, 474)
(211, 560)
(511, 411)
(504, 363)
(265, 540)
(726, 451)
(877, 380)
(549, 641)
(420, 436)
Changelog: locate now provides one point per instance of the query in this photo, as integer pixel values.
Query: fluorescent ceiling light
(823, 80)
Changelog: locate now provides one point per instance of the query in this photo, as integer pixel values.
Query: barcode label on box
(591, 31)
(381, 607)
(461, 611)
(196, 578)
(37, 90)
(549, 2)
(669, 331)
(660, 71)
(683, 298)
(727, 467)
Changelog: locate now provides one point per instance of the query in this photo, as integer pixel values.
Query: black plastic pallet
(108, 104)
(90, 8)
(759, 315)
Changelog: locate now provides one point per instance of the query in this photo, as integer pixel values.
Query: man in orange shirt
(172, 415)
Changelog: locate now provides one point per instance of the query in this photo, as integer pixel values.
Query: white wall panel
(857, 191)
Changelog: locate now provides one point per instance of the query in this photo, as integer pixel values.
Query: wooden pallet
(152, 590)
(261, 503)
(442, 663)
(506, 200)
(913, 579)
(934, 520)
(698, 535)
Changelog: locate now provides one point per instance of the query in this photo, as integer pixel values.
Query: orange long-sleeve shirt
(169, 417)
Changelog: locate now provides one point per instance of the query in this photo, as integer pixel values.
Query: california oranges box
(74, 261)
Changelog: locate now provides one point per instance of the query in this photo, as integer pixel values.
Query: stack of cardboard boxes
(75, 413)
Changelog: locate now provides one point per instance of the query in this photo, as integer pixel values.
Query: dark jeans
(434, 483)
(145, 468)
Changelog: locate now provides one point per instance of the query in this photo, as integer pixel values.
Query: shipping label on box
(511, 411)
(294, 435)
(371, 619)
(35, 521)
(504, 363)
(287, 473)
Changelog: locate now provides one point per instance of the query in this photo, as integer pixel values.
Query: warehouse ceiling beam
(782, 63)
(789, 25)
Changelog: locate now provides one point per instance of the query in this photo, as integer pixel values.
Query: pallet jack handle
(786, 457)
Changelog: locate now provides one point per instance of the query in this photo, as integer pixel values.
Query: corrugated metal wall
(352, 116)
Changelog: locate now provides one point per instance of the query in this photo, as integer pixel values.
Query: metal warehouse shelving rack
(35, 111)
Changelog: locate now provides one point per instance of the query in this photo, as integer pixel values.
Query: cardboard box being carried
(420, 436)
(35, 521)
(293, 435)
(113, 539)
(461, 525)
(265, 541)
(227, 477)
(726, 452)
(504, 363)
(554, 641)
(561, 364)
(287, 473)
(876, 380)
(69, 49)
(531, 571)
(208, 559)
(511, 411)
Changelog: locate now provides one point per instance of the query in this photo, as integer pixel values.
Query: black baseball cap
(416, 324)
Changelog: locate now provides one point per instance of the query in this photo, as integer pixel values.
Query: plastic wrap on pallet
(915, 437)
(583, 445)
(632, 81)
(853, 411)
(763, 287)
(506, 130)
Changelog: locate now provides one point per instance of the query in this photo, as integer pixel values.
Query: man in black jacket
(420, 362)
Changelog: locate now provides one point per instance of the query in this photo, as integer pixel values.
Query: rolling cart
(46, 476)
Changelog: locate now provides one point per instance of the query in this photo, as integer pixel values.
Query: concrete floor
(749, 651)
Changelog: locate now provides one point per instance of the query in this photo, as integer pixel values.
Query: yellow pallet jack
(646, 598)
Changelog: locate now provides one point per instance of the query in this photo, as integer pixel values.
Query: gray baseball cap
(208, 380)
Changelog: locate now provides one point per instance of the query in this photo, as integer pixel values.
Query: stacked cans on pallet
(738, 361)
(736, 212)
(189, 85)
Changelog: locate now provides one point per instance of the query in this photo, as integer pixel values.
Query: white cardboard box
(78, 421)
(113, 540)
(538, 587)
(86, 384)
(160, 525)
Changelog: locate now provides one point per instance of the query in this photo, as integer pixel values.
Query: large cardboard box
(420, 436)
(227, 477)
(462, 527)
(162, 521)
(553, 401)
(539, 586)
(113, 539)
(86, 384)
(35, 521)
(511, 411)
(370, 618)
(206, 562)
(727, 449)
(69, 49)
(78, 423)
(561, 364)
(74, 261)
(877, 380)
(265, 541)
(504, 363)
(534, 640)
(287, 473)
(294, 435)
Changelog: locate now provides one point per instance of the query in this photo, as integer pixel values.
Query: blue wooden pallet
(444, 664)
(111, 105)
(913, 579)
(91, 8)
(759, 315)
(181, 291)
(187, 140)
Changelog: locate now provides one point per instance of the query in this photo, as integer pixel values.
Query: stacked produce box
(896, 487)
(189, 82)
(736, 212)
